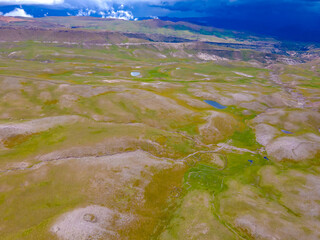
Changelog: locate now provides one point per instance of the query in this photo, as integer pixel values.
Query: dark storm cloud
(211, 7)
(288, 19)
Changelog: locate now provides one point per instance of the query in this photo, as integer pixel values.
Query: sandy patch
(108, 176)
(85, 90)
(148, 54)
(278, 99)
(160, 85)
(209, 57)
(128, 165)
(299, 148)
(242, 97)
(243, 74)
(265, 133)
(10, 83)
(180, 54)
(300, 191)
(146, 100)
(117, 81)
(232, 148)
(67, 100)
(262, 218)
(194, 220)
(294, 146)
(256, 106)
(92, 222)
(45, 96)
(34, 126)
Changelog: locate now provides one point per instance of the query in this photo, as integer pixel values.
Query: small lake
(135, 74)
(286, 132)
(215, 104)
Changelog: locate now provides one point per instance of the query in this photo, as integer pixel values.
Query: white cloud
(21, 2)
(120, 14)
(86, 12)
(18, 12)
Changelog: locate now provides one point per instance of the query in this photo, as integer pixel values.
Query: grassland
(79, 133)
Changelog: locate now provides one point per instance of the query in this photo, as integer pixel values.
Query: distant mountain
(98, 31)
(271, 28)
(182, 30)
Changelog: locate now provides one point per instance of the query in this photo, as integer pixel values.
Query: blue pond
(135, 74)
(266, 158)
(215, 104)
(286, 132)
(250, 161)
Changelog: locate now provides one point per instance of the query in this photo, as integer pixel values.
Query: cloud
(112, 13)
(26, 2)
(120, 14)
(18, 12)
(86, 12)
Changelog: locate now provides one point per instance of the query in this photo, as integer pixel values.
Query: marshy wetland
(127, 142)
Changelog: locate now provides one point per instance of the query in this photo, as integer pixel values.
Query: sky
(287, 19)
